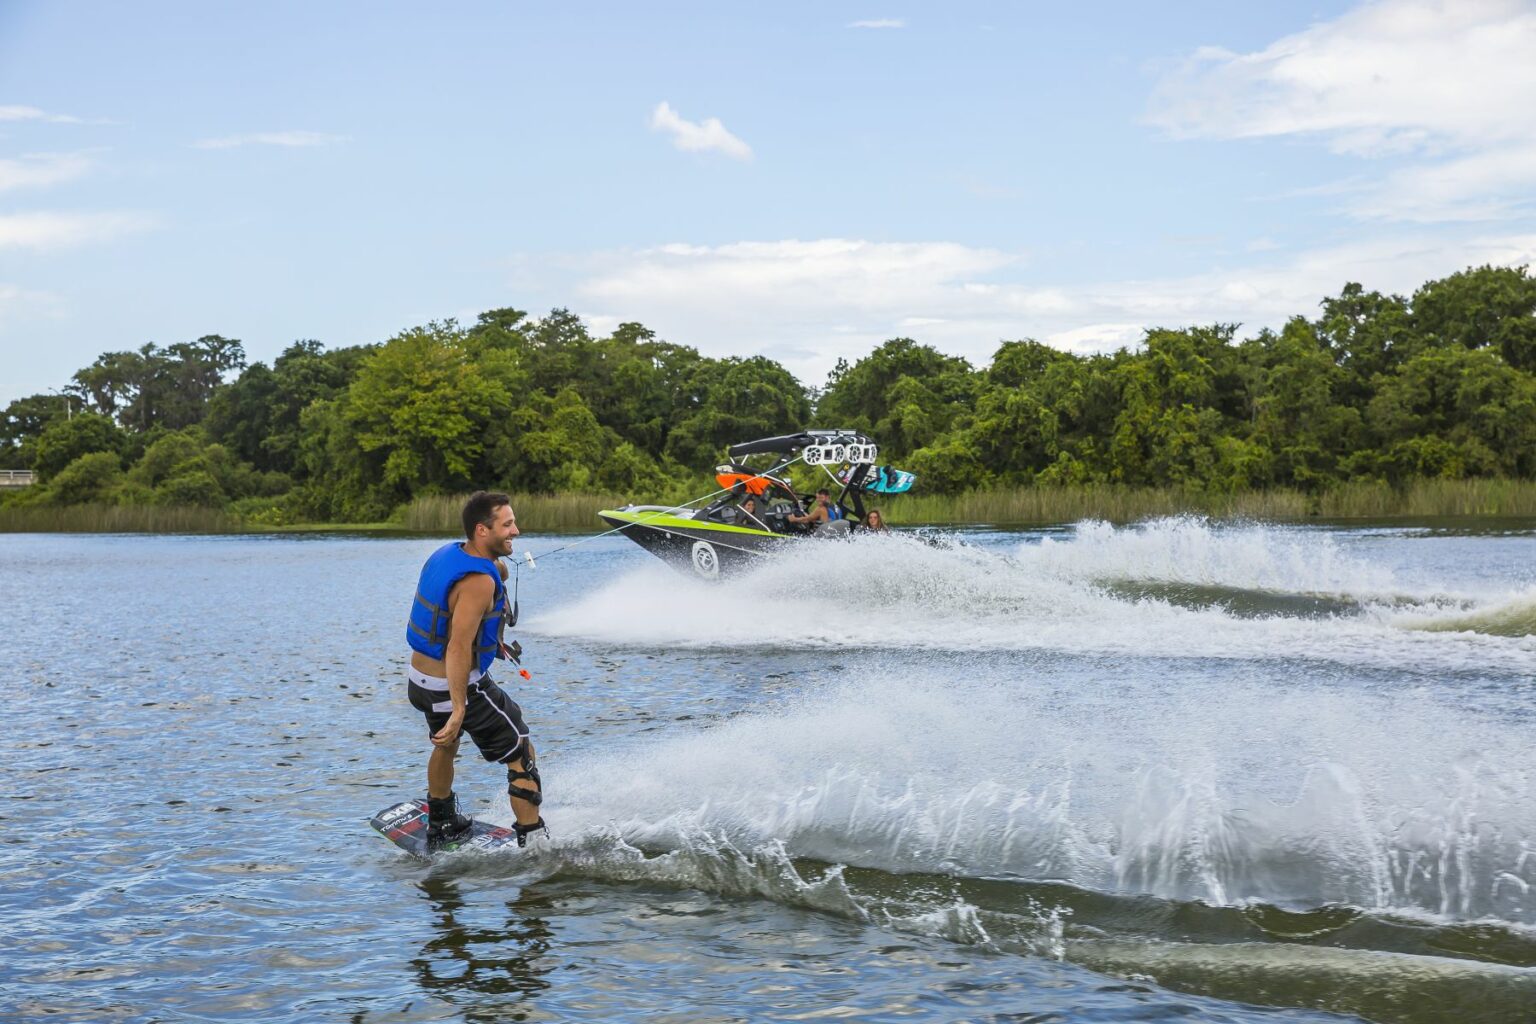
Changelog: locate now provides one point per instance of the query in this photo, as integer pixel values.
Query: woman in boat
(747, 514)
(874, 522)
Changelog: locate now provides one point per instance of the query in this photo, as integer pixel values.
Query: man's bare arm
(468, 602)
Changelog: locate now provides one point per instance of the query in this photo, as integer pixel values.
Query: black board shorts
(492, 719)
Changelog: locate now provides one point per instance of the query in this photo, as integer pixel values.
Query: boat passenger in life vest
(456, 630)
(821, 512)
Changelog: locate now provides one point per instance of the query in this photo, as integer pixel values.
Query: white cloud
(20, 113)
(291, 139)
(879, 23)
(56, 230)
(1450, 87)
(1096, 337)
(809, 302)
(700, 136)
(1486, 185)
(41, 169)
(823, 275)
(1388, 76)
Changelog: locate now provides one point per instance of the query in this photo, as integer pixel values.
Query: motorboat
(756, 511)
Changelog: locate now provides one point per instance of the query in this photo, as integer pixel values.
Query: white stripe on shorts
(522, 737)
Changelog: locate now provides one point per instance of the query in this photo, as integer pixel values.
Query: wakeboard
(881, 480)
(405, 825)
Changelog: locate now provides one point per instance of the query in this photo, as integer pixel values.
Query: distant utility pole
(69, 405)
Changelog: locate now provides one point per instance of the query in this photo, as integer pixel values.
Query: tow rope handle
(513, 652)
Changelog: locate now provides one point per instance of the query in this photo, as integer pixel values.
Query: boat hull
(703, 549)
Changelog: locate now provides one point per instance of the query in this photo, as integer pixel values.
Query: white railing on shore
(16, 478)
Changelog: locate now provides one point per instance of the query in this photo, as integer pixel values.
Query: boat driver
(821, 512)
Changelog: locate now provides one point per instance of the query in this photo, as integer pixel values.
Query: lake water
(1174, 771)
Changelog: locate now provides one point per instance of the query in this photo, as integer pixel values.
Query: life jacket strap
(441, 621)
(438, 616)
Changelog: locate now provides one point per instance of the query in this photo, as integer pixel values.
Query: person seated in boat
(821, 512)
(748, 514)
(874, 522)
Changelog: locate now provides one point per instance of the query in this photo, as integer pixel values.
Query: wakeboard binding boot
(535, 835)
(444, 822)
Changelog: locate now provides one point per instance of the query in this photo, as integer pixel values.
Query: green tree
(559, 445)
(185, 467)
(949, 466)
(90, 478)
(903, 393)
(1486, 307)
(416, 419)
(1300, 427)
(1039, 412)
(1176, 398)
(242, 414)
(1369, 334)
(196, 487)
(338, 479)
(167, 387)
(24, 421)
(1453, 412)
(733, 400)
(64, 441)
(258, 414)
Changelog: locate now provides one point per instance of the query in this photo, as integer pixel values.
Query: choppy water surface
(1165, 772)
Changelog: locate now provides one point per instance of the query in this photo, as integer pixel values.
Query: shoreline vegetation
(1012, 507)
(1378, 406)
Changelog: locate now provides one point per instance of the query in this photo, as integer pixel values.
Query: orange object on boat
(757, 485)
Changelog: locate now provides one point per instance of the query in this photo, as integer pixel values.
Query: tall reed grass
(1424, 499)
(1431, 498)
(536, 513)
(114, 519)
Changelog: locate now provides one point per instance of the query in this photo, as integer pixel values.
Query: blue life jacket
(427, 629)
(834, 513)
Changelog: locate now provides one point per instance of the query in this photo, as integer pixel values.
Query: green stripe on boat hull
(706, 549)
(669, 520)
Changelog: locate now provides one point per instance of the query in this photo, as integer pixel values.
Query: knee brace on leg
(531, 774)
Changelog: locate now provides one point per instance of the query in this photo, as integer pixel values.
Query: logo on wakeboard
(398, 812)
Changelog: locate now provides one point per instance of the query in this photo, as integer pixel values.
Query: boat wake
(1375, 854)
(1231, 760)
(1170, 588)
(1514, 617)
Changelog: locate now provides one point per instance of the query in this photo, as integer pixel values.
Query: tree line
(1380, 387)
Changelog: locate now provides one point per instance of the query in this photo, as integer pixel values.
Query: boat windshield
(757, 501)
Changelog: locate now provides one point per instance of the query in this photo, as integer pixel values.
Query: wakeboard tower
(724, 534)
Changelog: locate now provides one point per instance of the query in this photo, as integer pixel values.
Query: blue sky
(799, 180)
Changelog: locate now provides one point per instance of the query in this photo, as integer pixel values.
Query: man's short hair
(481, 508)
(823, 491)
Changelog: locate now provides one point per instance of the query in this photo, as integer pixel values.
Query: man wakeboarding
(457, 628)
